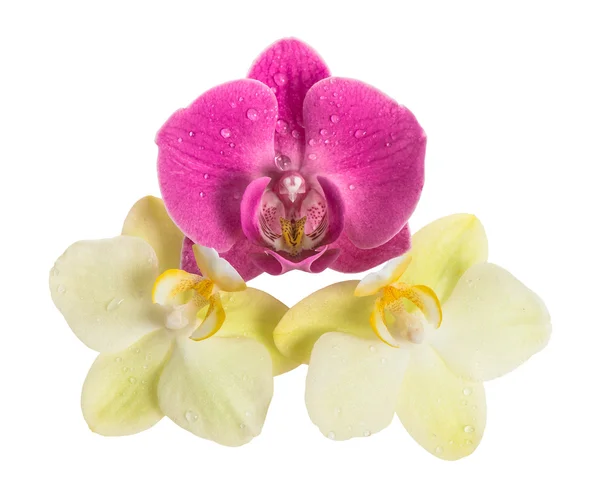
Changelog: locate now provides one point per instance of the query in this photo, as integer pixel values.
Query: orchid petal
(255, 314)
(352, 259)
(353, 384)
(149, 220)
(209, 152)
(251, 209)
(237, 256)
(445, 414)
(289, 67)
(214, 320)
(335, 210)
(276, 263)
(492, 324)
(388, 274)
(372, 149)
(119, 393)
(174, 287)
(443, 250)
(103, 289)
(219, 389)
(332, 309)
(217, 269)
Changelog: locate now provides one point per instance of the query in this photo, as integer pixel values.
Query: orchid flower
(417, 338)
(198, 349)
(292, 169)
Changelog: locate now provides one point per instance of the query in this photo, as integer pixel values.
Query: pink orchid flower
(292, 169)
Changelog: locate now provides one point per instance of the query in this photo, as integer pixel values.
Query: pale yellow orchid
(417, 338)
(196, 349)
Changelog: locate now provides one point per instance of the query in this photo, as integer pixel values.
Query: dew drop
(232, 145)
(61, 289)
(312, 156)
(334, 118)
(468, 442)
(322, 97)
(366, 433)
(202, 194)
(464, 403)
(118, 359)
(233, 104)
(282, 126)
(242, 426)
(206, 176)
(240, 99)
(125, 369)
(179, 140)
(360, 133)
(296, 134)
(226, 132)
(331, 435)
(252, 114)
(280, 79)
(469, 429)
(387, 145)
(55, 271)
(191, 416)
(352, 187)
(191, 134)
(248, 414)
(144, 382)
(282, 162)
(114, 304)
(323, 132)
(136, 350)
(312, 141)
(467, 391)
(439, 450)
(274, 89)
(132, 380)
(372, 348)
(383, 361)
(145, 367)
(337, 411)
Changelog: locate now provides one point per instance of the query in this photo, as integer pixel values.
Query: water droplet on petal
(132, 380)
(312, 156)
(469, 429)
(283, 162)
(226, 132)
(312, 141)
(334, 118)
(206, 176)
(337, 411)
(280, 79)
(467, 391)
(352, 187)
(118, 359)
(125, 369)
(331, 435)
(191, 134)
(468, 442)
(114, 304)
(248, 414)
(252, 114)
(202, 194)
(282, 126)
(55, 271)
(61, 289)
(387, 145)
(296, 134)
(372, 348)
(366, 433)
(322, 97)
(383, 361)
(360, 133)
(242, 426)
(191, 416)
(439, 450)
(179, 140)
(323, 132)
(232, 145)
(233, 104)
(240, 99)
(463, 403)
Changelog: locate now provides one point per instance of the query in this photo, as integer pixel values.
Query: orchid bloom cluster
(294, 169)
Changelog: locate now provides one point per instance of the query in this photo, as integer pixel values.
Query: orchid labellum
(292, 169)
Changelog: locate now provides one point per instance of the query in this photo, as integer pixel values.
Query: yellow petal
(215, 317)
(492, 324)
(254, 314)
(103, 289)
(443, 250)
(219, 389)
(119, 393)
(389, 274)
(428, 303)
(148, 219)
(353, 385)
(332, 309)
(377, 321)
(442, 412)
(218, 269)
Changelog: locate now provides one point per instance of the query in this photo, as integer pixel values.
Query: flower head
(292, 168)
(198, 349)
(417, 338)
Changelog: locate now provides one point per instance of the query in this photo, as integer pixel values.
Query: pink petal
(275, 263)
(250, 209)
(353, 259)
(237, 256)
(290, 68)
(208, 154)
(335, 210)
(372, 148)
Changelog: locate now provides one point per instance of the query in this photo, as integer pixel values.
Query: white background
(508, 95)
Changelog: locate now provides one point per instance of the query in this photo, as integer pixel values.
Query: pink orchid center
(293, 215)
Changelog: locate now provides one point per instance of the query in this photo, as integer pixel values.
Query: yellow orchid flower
(417, 338)
(198, 349)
